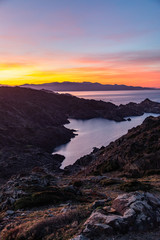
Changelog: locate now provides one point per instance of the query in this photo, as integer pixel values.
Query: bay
(100, 132)
(92, 133)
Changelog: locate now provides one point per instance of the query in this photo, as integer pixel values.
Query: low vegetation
(109, 182)
(135, 186)
(54, 195)
(108, 166)
(55, 226)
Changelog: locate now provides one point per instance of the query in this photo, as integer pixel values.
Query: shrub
(109, 182)
(78, 184)
(107, 166)
(152, 172)
(135, 186)
(53, 195)
(39, 230)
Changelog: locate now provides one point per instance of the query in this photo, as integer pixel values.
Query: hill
(85, 86)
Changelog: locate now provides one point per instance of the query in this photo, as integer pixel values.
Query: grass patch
(110, 182)
(152, 172)
(108, 166)
(78, 183)
(52, 196)
(57, 227)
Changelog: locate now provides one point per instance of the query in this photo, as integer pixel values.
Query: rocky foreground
(43, 206)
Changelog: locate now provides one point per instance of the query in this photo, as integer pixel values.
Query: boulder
(80, 237)
(99, 203)
(9, 212)
(136, 211)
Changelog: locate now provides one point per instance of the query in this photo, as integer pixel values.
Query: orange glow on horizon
(120, 73)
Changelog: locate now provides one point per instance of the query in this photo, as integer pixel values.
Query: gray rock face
(134, 212)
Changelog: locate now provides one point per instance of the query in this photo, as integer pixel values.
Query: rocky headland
(112, 193)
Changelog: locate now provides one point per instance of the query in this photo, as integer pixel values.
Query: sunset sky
(105, 41)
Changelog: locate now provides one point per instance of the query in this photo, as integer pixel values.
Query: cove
(92, 133)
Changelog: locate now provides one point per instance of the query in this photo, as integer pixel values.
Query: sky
(110, 42)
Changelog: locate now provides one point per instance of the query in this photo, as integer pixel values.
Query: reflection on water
(119, 97)
(94, 133)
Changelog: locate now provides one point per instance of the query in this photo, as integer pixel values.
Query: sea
(119, 97)
(100, 132)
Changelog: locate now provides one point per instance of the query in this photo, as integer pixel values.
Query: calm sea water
(94, 133)
(119, 97)
(100, 132)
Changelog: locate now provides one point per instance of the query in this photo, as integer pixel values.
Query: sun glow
(119, 73)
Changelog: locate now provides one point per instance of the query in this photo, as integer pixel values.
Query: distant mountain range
(84, 86)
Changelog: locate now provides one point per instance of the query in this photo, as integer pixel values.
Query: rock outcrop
(35, 189)
(134, 212)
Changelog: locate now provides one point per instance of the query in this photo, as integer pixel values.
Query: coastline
(40, 116)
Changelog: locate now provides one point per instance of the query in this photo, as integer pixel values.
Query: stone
(50, 215)
(98, 230)
(80, 237)
(75, 224)
(153, 199)
(96, 217)
(135, 211)
(129, 215)
(12, 200)
(10, 212)
(99, 203)
(140, 206)
(64, 210)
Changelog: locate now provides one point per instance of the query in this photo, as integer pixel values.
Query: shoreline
(40, 116)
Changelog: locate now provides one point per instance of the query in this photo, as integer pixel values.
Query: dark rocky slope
(135, 154)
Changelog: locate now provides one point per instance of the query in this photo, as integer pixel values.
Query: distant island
(84, 86)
